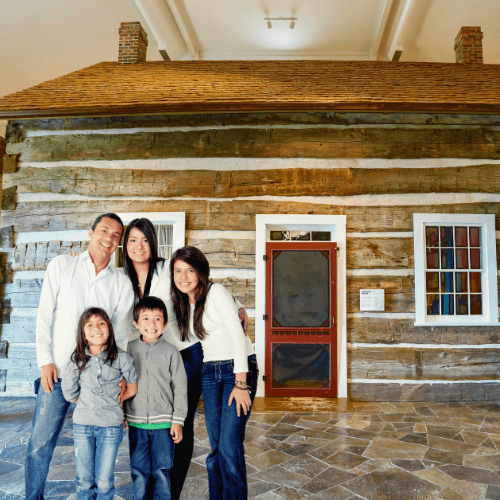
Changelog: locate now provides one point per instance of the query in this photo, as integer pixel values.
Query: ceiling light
(270, 25)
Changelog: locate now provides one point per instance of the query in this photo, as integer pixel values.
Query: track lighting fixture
(270, 25)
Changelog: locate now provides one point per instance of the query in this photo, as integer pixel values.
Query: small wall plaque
(372, 300)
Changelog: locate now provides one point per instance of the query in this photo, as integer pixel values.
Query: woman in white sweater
(207, 311)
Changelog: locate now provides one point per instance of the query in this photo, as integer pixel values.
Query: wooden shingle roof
(216, 86)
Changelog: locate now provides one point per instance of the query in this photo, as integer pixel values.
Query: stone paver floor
(375, 451)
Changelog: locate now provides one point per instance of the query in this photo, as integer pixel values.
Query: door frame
(264, 223)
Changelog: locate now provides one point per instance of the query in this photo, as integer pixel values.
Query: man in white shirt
(72, 285)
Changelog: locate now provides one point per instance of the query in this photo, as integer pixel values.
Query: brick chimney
(469, 45)
(133, 43)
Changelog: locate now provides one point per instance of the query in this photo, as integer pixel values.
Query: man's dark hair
(150, 303)
(109, 215)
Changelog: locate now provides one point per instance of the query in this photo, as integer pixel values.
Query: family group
(192, 340)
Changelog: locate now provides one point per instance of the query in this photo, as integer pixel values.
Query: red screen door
(301, 327)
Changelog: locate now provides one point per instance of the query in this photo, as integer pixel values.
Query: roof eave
(249, 107)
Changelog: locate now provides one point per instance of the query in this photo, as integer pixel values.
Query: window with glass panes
(455, 269)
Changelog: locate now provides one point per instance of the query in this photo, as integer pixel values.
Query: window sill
(451, 323)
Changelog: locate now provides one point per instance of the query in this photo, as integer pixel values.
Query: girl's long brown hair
(197, 260)
(79, 356)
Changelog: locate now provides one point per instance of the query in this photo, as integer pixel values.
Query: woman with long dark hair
(149, 274)
(206, 311)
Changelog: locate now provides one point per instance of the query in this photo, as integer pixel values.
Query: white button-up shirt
(69, 288)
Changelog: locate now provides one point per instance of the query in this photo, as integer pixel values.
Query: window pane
(301, 366)
(433, 305)
(462, 258)
(475, 283)
(432, 282)
(432, 259)
(446, 282)
(461, 282)
(278, 235)
(475, 258)
(475, 236)
(447, 304)
(476, 305)
(301, 288)
(300, 235)
(462, 304)
(446, 236)
(461, 236)
(431, 237)
(447, 259)
(321, 235)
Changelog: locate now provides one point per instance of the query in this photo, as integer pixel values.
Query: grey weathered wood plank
(88, 181)
(391, 141)
(373, 362)
(396, 331)
(231, 119)
(228, 215)
(487, 391)
(21, 329)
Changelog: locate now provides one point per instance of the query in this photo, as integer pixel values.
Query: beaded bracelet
(241, 388)
(241, 384)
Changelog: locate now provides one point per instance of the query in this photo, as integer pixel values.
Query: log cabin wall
(378, 169)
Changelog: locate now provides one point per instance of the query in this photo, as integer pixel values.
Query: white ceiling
(43, 39)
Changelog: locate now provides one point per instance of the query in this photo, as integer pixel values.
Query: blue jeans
(227, 477)
(151, 458)
(48, 420)
(95, 455)
(193, 361)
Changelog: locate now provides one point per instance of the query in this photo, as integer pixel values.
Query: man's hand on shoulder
(49, 376)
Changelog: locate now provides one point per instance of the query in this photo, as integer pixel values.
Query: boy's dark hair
(79, 356)
(109, 215)
(150, 303)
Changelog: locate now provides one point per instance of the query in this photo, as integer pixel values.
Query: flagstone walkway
(341, 451)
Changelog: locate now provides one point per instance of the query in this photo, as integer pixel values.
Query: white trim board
(368, 200)
(335, 223)
(235, 163)
(417, 382)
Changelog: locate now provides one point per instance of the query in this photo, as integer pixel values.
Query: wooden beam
(90, 181)
(488, 391)
(412, 363)
(227, 215)
(393, 141)
(397, 331)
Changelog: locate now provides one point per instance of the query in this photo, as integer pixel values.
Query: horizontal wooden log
(422, 364)
(229, 119)
(23, 293)
(21, 329)
(488, 391)
(227, 215)
(399, 291)
(90, 181)
(396, 331)
(241, 289)
(391, 141)
(21, 364)
(379, 253)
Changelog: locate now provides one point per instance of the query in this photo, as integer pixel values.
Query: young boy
(157, 412)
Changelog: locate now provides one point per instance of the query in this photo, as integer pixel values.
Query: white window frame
(177, 219)
(489, 282)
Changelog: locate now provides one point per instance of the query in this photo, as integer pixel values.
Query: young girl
(91, 379)
(207, 311)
